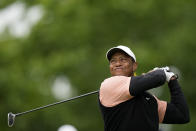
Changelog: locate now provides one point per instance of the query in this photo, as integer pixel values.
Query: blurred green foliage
(72, 38)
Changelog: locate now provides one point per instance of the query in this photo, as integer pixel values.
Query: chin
(119, 74)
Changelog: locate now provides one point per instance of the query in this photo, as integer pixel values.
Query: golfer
(125, 103)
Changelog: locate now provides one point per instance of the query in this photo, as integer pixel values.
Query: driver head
(11, 118)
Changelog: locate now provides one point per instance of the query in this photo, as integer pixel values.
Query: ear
(135, 64)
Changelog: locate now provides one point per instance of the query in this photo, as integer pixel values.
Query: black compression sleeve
(150, 80)
(177, 111)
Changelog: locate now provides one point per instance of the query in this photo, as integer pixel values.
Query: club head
(11, 119)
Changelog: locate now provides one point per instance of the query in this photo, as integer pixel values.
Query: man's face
(122, 65)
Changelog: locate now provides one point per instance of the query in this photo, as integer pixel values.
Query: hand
(169, 75)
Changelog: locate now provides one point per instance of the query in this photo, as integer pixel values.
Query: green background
(72, 38)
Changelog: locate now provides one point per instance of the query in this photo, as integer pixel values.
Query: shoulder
(162, 105)
(114, 90)
(115, 81)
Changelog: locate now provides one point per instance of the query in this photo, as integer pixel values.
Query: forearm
(145, 82)
(177, 111)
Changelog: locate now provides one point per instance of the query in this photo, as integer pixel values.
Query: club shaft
(42, 107)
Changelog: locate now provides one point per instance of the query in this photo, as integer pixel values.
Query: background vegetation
(72, 38)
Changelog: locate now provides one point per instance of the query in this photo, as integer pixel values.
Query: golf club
(11, 116)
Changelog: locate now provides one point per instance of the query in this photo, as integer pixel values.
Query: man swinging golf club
(124, 103)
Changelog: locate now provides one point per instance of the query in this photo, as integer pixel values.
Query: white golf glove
(168, 73)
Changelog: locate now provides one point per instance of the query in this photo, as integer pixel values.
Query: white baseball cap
(125, 49)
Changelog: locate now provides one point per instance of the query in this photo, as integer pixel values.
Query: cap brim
(112, 51)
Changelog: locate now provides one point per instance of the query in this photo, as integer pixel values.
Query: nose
(118, 63)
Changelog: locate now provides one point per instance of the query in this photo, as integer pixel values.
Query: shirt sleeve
(114, 91)
(177, 111)
(139, 84)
